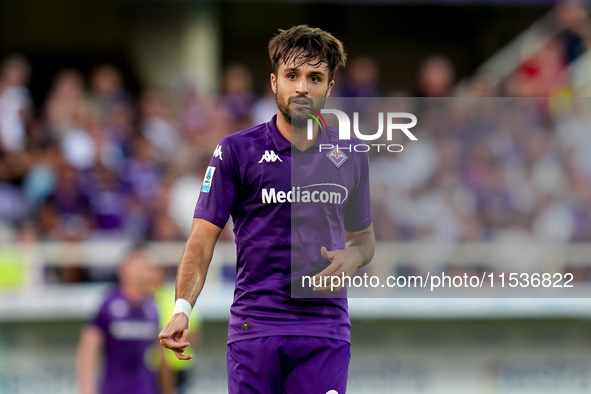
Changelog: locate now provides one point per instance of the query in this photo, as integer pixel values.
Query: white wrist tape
(182, 305)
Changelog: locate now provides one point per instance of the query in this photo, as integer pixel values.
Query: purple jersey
(129, 330)
(285, 205)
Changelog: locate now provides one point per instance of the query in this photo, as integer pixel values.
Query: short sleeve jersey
(285, 205)
(128, 331)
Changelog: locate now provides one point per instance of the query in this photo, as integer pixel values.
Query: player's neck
(297, 136)
(134, 295)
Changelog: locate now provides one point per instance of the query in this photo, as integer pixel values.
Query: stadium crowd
(95, 162)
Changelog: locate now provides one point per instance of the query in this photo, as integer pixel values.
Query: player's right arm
(189, 283)
(91, 342)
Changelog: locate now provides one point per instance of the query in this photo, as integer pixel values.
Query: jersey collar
(281, 143)
(278, 139)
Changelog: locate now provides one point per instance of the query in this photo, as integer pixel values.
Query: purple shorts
(288, 365)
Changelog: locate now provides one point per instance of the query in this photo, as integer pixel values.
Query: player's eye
(291, 76)
(315, 79)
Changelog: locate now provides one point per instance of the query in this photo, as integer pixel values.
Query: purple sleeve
(358, 211)
(216, 197)
(101, 319)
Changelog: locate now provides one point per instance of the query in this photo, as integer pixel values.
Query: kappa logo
(337, 156)
(218, 152)
(270, 156)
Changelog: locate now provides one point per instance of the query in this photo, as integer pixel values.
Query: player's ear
(330, 85)
(274, 83)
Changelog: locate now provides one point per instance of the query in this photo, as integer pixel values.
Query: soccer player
(122, 331)
(283, 196)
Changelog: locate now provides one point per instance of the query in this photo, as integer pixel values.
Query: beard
(298, 118)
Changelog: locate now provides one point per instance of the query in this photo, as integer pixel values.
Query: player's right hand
(174, 336)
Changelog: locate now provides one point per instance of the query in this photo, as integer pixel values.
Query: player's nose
(302, 87)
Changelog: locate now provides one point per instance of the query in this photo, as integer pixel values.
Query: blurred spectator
(265, 107)
(163, 228)
(142, 172)
(200, 134)
(184, 193)
(13, 204)
(195, 113)
(158, 127)
(124, 327)
(15, 103)
(67, 117)
(15, 114)
(112, 112)
(238, 99)
(107, 96)
(544, 74)
(41, 179)
(436, 77)
(79, 149)
(65, 108)
(362, 78)
(576, 33)
(67, 215)
(554, 221)
(109, 201)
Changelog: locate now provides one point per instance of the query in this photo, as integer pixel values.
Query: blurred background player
(124, 327)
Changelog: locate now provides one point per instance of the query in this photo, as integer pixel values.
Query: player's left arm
(358, 252)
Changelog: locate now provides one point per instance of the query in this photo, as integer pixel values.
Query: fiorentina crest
(337, 156)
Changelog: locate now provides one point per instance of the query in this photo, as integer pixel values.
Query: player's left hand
(342, 263)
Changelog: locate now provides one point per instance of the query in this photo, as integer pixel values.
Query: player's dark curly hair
(302, 45)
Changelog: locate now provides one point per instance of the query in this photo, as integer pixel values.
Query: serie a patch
(208, 179)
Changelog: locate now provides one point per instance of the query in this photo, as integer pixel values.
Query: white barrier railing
(36, 300)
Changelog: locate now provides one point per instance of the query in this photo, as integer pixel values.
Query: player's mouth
(301, 102)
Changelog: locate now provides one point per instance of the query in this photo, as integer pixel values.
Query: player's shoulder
(112, 293)
(243, 139)
(235, 148)
(113, 301)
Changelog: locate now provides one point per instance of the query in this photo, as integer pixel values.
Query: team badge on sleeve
(207, 180)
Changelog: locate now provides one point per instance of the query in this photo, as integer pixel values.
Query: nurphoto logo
(391, 121)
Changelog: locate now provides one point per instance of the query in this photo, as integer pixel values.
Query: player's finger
(328, 289)
(172, 344)
(332, 283)
(327, 254)
(179, 352)
(169, 330)
(331, 270)
(165, 333)
(181, 356)
(183, 337)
